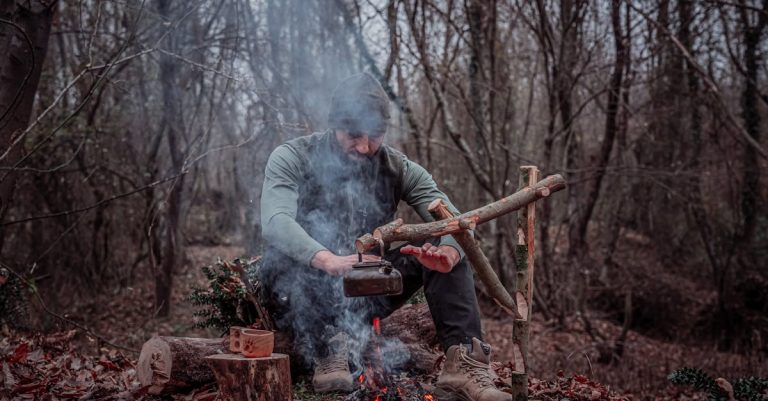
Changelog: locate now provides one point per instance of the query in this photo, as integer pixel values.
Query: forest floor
(563, 359)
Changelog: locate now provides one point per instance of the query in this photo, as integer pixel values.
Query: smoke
(348, 196)
(307, 51)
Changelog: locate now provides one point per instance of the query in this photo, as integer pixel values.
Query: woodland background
(134, 134)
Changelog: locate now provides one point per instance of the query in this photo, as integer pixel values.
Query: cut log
(252, 379)
(477, 259)
(397, 231)
(169, 365)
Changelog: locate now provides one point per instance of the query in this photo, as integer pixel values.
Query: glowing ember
(377, 384)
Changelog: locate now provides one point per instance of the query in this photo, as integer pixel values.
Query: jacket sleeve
(419, 189)
(279, 205)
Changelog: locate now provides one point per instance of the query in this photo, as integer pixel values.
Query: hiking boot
(332, 372)
(468, 375)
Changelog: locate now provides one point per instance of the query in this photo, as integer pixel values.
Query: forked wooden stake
(525, 250)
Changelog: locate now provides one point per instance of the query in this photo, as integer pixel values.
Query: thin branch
(198, 65)
(42, 115)
(61, 95)
(95, 205)
(39, 298)
(713, 88)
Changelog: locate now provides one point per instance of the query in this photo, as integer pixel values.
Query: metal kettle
(372, 278)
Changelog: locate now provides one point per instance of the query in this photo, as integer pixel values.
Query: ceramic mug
(257, 343)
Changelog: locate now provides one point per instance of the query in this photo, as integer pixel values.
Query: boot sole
(450, 394)
(337, 385)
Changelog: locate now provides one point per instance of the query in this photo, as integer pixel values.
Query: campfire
(377, 384)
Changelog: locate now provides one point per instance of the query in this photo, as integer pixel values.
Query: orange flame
(377, 325)
(429, 397)
(360, 379)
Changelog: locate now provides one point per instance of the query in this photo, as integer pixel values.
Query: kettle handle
(381, 251)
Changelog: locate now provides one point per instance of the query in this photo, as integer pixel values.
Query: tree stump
(173, 364)
(252, 379)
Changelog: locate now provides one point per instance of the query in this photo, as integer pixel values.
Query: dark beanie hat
(359, 104)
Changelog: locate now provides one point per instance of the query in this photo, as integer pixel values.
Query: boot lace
(479, 372)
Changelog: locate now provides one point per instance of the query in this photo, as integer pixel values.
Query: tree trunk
(173, 127)
(751, 114)
(24, 31)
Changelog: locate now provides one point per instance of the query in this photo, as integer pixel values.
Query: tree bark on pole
(525, 251)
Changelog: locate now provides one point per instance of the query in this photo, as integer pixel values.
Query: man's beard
(356, 160)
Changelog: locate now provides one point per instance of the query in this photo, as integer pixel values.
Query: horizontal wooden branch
(397, 231)
(477, 259)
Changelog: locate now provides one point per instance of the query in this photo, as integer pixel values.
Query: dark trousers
(308, 302)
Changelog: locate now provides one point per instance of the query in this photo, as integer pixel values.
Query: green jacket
(315, 198)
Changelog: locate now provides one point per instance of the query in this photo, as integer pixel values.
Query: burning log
(173, 364)
(413, 326)
(397, 231)
(377, 383)
(252, 379)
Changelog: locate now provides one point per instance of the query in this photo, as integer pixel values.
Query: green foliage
(699, 380)
(750, 388)
(224, 301)
(747, 389)
(14, 306)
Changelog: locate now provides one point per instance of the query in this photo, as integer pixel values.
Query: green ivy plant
(747, 389)
(225, 301)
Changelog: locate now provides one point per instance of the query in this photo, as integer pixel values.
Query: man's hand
(438, 258)
(337, 265)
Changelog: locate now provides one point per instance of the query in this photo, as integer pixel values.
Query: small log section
(252, 379)
(477, 259)
(169, 365)
(524, 255)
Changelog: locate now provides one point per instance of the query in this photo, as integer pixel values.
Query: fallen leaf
(8, 380)
(20, 353)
